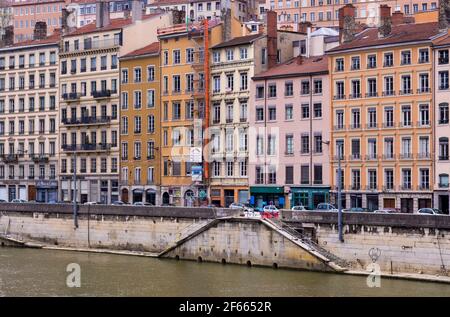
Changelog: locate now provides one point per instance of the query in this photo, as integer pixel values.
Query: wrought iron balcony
(71, 96)
(101, 93)
(86, 120)
(39, 158)
(101, 147)
(10, 158)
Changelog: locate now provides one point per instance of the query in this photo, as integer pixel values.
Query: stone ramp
(191, 231)
(307, 244)
(7, 240)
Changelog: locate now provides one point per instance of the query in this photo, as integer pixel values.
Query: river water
(34, 272)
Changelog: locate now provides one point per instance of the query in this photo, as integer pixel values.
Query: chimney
(347, 24)
(178, 17)
(303, 27)
(102, 14)
(385, 21)
(397, 18)
(136, 11)
(8, 37)
(299, 60)
(126, 13)
(40, 30)
(272, 33)
(444, 14)
(226, 27)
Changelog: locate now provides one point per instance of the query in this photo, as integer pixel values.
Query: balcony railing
(372, 94)
(406, 156)
(10, 158)
(423, 90)
(71, 96)
(86, 120)
(388, 93)
(405, 92)
(101, 93)
(39, 158)
(443, 157)
(88, 45)
(87, 147)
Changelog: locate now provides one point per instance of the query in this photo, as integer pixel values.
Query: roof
(402, 33)
(311, 65)
(168, 2)
(241, 40)
(443, 41)
(52, 39)
(114, 24)
(325, 32)
(35, 2)
(150, 49)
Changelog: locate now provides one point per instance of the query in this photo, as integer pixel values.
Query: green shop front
(261, 196)
(309, 197)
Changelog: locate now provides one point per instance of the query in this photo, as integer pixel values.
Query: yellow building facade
(382, 110)
(183, 95)
(140, 125)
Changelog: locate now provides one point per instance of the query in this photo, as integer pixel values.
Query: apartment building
(140, 125)
(291, 118)
(90, 103)
(382, 113)
(184, 94)
(325, 13)
(27, 13)
(197, 10)
(441, 123)
(29, 119)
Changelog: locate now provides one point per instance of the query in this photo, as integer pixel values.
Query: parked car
(326, 207)
(90, 203)
(357, 209)
(298, 208)
(3, 201)
(245, 207)
(18, 201)
(140, 203)
(118, 203)
(270, 211)
(386, 211)
(430, 211)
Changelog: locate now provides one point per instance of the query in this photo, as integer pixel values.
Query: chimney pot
(272, 41)
(385, 21)
(136, 14)
(397, 18)
(40, 30)
(299, 60)
(347, 24)
(8, 38)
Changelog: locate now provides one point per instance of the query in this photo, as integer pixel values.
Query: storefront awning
(310, 189)
(266, 190)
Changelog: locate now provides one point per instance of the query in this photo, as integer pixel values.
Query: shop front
(47, 191)
(225, 196)
(309, 197)
(261, 196)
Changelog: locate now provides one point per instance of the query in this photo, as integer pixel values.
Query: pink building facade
(442, 123)
(289, 130)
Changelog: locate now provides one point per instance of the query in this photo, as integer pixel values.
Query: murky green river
(32, 272)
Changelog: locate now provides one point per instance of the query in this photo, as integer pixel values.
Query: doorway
(229, 197)
(443, 203)
(165, 198)
(424, 203)
(125, 195)
(389, 203)
(407, 205)
(150, 196)
(189, 198)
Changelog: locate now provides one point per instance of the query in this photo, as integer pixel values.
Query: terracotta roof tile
(239, 41)
(54, 38)
(291, 68)
(146, 50)
(113, 25)
(402, 33)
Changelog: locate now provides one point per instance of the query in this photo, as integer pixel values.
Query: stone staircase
(190, 231)
(308, 244)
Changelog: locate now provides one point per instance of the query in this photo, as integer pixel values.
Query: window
(372, 118)
(317, 110)
(424, 115)
(289, 144)
(443, 80)
(137, 75)
(372, 179)
(424, 55)
(288, 89)
(340, 91)
(305, 88)
(124, 76)
(371, 61)
(272, 91)
(289, 173)
(272, 113)
(318, 86)
(388, 117)
(339, 64)
(304, 174)
(243, 81)
(305, 144)
(443, 149)
(424, 178)
(388, 59)
(406, 85)
(176, 57)
(150, 98)
(243, 53)
(355, 63)
(150, 73)
(443, 113)
(230, 54)
(443, 57)
(424, 85)
(406, 58)
(356, 179)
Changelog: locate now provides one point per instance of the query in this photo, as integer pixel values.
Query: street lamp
(339, 180)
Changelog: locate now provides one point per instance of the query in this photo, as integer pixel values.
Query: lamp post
(339, 180)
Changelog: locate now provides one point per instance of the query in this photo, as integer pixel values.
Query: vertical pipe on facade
(433, 125)
(311, 109)
(265, 132)
(206, 79)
